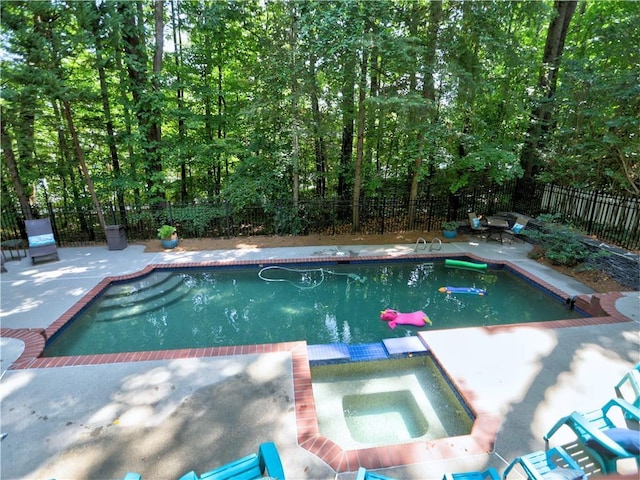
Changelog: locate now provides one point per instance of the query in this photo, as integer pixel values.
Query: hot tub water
(385, 403)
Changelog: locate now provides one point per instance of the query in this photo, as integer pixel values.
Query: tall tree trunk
(357, 177)
(347, 107)
(176, 28)
(7, 149)
(222, 132)
(146, 108)
(207, 73)
(415, 116)
(373, 136)
(106, 109)
(541, 116)
(470, 63)
(295, 153)
(155, 135)
(68, 169)
(158, 17)
(319, 143)
(45, 27)
(362, 118)
(429, 95)
(83, 164)
(123, 87)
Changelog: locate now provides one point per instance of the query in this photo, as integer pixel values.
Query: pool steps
(150, 294)
(388, 348)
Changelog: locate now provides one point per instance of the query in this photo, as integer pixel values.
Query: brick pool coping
(479, 441)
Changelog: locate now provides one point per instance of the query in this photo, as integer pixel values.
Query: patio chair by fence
(475, 225)
(42, 244)
(516, 230)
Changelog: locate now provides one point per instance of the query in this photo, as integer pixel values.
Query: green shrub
(165, 232)
(290, 221)
(450, 226)
(196, 221)
(559, 243)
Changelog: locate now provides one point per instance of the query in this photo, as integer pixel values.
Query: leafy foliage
(258, 100)
(165, 232)
(449, 226)
(196, 222)
(559, 243)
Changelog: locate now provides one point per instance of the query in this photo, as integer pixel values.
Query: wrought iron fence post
(227, 214)
(592, 212)
(113, 213)
(382, 215)
(54, 223)
(334, 217)
(545, 208)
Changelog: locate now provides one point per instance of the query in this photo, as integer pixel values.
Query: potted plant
(168, 236)
(449, 229)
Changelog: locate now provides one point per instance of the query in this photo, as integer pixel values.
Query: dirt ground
(597, 280)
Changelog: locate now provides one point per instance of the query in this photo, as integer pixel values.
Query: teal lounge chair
(364, 474)
(628, 388)
(555, 463)
(246, 468)
(601, 437)
(488, 474)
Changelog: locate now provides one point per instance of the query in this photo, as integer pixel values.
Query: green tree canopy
(270, 100)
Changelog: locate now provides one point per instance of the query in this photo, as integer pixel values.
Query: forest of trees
(140, 102)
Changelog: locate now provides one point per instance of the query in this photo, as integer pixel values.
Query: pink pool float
(417, 319)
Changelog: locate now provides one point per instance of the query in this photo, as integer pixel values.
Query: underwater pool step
(123, 311)
(389, 348)
(142, 291)
(140, 285)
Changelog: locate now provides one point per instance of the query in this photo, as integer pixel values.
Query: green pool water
(191, 308)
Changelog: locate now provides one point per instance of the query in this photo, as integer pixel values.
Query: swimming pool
(308, 436)
(328, 302)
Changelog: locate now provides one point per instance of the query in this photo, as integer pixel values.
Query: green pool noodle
(462, 264)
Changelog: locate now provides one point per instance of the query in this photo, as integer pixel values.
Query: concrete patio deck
(164, 418)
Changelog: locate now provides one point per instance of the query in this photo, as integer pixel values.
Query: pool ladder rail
(432, 246)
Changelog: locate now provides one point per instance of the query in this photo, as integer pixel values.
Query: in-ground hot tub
(376, 403)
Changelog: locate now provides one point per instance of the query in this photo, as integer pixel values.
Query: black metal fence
(616, 221)
(611, 218)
